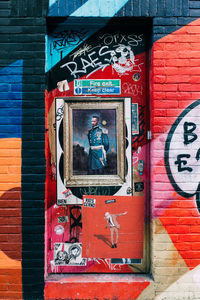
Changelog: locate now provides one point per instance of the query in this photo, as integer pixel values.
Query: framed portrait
(94, 141)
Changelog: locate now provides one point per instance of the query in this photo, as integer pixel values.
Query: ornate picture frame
(77, 135)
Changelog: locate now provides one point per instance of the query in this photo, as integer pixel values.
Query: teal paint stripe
(51, 2)
(99, 8)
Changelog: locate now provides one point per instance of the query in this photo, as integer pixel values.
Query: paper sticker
(110, 201)
(89, 202)
(139, 186)
(66, 254)
(59, 229)
(63, 219)
(123, 261)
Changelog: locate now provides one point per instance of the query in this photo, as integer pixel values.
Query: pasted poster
(112, 226)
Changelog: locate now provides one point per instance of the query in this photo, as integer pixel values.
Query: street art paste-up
(113, 229)
(68, 254)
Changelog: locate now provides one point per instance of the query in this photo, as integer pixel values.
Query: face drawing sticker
(123, 59)
(182, 153)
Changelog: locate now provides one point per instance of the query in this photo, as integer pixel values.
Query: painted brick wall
(22, 77)
(175, 86)
(176, 217)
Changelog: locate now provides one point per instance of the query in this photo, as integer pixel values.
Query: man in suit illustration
(114, 226)
(99, 145)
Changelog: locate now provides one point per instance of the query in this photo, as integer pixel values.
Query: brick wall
(22, 163)
(175, 86)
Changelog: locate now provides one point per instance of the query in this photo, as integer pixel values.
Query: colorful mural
(147, 54)
(10, 178)
(122, 53)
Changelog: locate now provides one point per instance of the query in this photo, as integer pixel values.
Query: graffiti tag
(81, 51)
(121, 57)
(120, 38)
(132, 89)
(68, 38)
(182, 153)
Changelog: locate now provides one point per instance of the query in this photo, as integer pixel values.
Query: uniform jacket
(99, 144)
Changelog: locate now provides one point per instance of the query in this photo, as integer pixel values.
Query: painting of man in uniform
(113, 227)
(94, 142)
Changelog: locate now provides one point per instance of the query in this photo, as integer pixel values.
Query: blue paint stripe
(96, 8)
(63, 8)
(11, 100)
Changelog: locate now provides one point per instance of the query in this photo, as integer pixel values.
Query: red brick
(186, 204)
(14, 238)
(158, 62)
(188, 54)
(165, 54)
(166, 104)
(195, 46)
(178, 62)
(158, 95)
(172, 46)
(193, 29)
(9, 246)
(184, 246)
(165, 87)
(189, 87)
(173, 112)
(170, 221)
(181, 212)
(159, 79)
(159, 129)
(3, 238)
(195, 229)
(195, 95)
(10, 295)
(195, 79)
(194, 62)
(17, 254)
(192, 254)
(10, 212)
(189, 238)
(181, 95)
(184, 103)
(166, 71)
(15, 287)
(195, 246)
(188, 221)
(186, 38)
(178, 229)
(193, 262)
(10, 229)
(13, 203)
(160, 112)
(163, 121)
(177, 78)
(10, 220)
(3, 287)
(158, 46)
